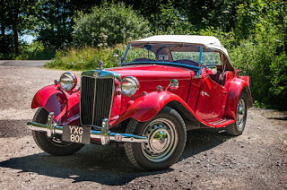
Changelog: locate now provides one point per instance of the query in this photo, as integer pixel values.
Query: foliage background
(77, 34)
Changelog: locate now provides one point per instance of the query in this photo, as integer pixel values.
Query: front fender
(148, 106)
(63, 105)
(236, 87)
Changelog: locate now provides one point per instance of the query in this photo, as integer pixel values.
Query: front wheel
(166, 141)
(52, 145)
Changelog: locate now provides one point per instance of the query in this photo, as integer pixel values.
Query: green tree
(170, 21)
(261, 33)
(55, 26)
(16, 18)
(56, 22)
(209, 13)
(109, 25)
(150, 9)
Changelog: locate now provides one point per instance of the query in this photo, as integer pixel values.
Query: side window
(211, 59)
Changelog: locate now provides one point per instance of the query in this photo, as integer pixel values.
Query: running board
(220, 122)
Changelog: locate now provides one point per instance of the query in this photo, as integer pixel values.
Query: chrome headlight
(129, 86)
(68, 81)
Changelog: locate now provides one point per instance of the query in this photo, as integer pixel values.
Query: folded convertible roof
(206, 41)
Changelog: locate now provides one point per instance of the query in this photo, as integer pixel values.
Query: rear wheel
(238, 127)
(52, 145)
(166, 141)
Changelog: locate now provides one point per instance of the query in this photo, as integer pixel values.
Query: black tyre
(166, 141)
(53, 145)
(241, 114)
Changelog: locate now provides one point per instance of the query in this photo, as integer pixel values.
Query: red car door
(210, 100)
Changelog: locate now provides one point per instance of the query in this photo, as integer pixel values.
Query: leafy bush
(34, 51)
(109, 25)
(258, 58)
(278, 81)
(170, 21)
(262, 51)
(86, 58)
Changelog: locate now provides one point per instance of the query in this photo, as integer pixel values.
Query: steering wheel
(187, 61)
(142, 59)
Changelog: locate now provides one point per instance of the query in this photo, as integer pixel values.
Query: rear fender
(236, 87)
(64, 105)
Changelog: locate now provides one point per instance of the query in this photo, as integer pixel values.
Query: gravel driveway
(255, 160)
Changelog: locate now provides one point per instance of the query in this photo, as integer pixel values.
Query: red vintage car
(165, 86)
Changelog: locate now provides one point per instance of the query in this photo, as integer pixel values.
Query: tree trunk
(16, 42)
(13, 13)
(2, 18)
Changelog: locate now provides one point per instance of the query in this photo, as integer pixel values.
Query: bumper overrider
(104, 135)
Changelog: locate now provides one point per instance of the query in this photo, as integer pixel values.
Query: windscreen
(176, 54)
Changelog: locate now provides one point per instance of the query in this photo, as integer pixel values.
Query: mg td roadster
(165, 86)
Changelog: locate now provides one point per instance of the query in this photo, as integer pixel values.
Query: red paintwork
(150, 76)
(194, 93)
(236, 86)
(210, 106)
(64, 105)
(216, 110)
(147, 106)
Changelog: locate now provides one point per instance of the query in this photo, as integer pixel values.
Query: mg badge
(118, 137)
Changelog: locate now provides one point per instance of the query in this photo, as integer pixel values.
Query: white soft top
(206, 41)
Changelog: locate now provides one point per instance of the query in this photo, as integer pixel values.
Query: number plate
(76, 134)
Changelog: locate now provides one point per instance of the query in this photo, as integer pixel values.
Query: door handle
(203, 93)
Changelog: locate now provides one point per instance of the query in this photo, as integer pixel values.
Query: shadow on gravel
(284, 118)
(202, 140)
(106, 165)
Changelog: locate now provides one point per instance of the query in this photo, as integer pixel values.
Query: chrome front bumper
(104, 135)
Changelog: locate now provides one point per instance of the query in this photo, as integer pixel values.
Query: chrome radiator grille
(96, 99)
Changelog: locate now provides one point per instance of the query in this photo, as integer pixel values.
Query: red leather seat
(222, 79)
(227, 75)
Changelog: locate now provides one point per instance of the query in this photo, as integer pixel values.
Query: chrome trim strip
(112, 99)
(104, 135)
(94, 101)
(103, 74)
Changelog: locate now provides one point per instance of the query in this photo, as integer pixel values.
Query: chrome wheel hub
(159, 140)
(162, 140)
(240, 114)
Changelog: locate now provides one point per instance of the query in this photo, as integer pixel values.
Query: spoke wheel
(166, 135)
(240, 114)
(162, 140)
